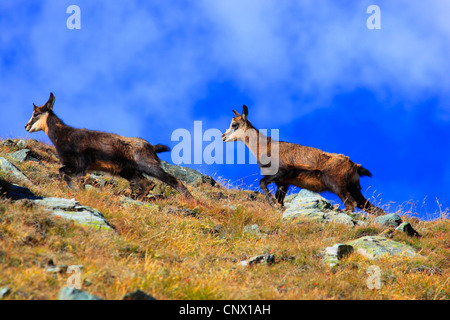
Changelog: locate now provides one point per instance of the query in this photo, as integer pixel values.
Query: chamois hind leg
(157, 172)
(281, 193)
(349, 202)
(363, 203)
(140, 186)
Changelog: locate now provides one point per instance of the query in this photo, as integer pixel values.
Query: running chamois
(301, 166)
(82, 150)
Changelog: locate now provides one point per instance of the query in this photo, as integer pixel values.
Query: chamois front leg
(281, 192)
(65, 173)
(263, 185)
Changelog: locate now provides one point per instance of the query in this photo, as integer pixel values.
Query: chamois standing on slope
(82, 150)
(301, 166)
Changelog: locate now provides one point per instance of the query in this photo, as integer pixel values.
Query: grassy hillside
(172, 249)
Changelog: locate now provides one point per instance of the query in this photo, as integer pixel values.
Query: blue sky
(311, 69)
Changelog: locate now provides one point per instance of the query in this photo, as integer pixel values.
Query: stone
(72, 210)
(4, 291)
(388, 220)
(68, 293)
(7, 167)
(333, 254)
(187, 175)
(137, 295)
(375, 247)
(265, 259)
(407, 228)
(311, 205)
(22, 155)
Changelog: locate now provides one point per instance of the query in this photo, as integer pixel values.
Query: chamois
(82, 150)
(301, 166)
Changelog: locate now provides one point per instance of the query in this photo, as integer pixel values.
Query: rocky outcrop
(371, 247)
(72, 210)
(187, 175)
(311, 205)
(10, 169)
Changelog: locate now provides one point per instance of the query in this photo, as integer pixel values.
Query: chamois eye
(235, 125)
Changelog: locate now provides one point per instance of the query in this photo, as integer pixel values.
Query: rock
(7, 167)
(371, 247)
(187, 175)
(252, 229)
(21, 144)
(22, 155)
(73, 210)
(427, 270)
(265, 259)
(388, 220)
(18, 143)
(137, 295)
(311, 205)
(67, 293)
(375, 247)
(407, 228)
(4, 291)
(333, 254)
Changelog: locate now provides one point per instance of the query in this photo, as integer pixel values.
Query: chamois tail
(364, 172)
(161, 148)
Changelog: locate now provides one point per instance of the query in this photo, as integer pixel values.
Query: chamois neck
(257, 142)
(56, 129)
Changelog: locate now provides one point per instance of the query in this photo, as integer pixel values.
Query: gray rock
(4, 291)
(407, 228)
(73, 210)
(18, 143)
(265, 259)
(67, 293)
(7, 167)
(388, 220)
(333, 254)
(137, 295)
(375, 247)
(252, 229)
(187, 175)
(21, 144)
(22, 155)
(371, 247)
(311, 205)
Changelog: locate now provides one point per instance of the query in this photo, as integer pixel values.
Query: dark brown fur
(309, 168)
(82, 150)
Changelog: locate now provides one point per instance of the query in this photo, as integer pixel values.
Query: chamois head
(38, 120)
(238, 126)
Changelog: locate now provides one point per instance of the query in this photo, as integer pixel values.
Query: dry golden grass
(170, 255)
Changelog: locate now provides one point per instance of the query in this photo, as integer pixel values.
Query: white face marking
(37, 125)
(234, 132)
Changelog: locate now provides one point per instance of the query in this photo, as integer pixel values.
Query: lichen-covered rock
(388, 220)
(375, 247)
(68, 293)
(187, 175)
(73, 210)
(264, 259)
(407, 228)
(311, 205)
(8, 168)
(333, 254)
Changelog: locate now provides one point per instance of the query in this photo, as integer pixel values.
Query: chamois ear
(244, 112)
(51, 101)
(236, 113)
